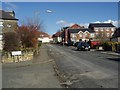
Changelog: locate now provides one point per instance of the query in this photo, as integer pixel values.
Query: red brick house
(116, 35)
(65, 32)
(57, 37)
(75, 32)
(81, 33)
(106, 29)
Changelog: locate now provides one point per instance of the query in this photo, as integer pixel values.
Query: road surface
(75, 69)
(85, 69)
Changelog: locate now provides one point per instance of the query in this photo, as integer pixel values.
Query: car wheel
(88, 49)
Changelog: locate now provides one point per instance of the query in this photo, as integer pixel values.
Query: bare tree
(29, 32)
(102, 37)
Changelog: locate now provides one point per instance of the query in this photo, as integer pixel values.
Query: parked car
(83, 46)
(75, 44)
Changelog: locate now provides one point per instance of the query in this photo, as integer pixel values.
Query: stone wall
(9, 25)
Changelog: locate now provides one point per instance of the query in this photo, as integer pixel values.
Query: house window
(102, 34)
(96, 33)
(107, 29)
(101, 29)
(96, 29)
(73, 35)
(1, 23)
(92, 35)
(108, 34)
(80, 35)
(112, 34)
(86, 34)
(0, 37)
(112, 29)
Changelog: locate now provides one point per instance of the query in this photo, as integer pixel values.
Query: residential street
(85, 69)
(78, 69)
(59, 45)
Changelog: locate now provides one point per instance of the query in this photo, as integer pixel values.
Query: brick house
(57, 37)
(105, 29)
(65, 32)
(116, 35)
(44, 37)
(8, 22)
(82, 33)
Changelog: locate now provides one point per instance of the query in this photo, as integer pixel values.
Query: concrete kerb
(111, 53)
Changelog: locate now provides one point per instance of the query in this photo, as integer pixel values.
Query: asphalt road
(85, 69)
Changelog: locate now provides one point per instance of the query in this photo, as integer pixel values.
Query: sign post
(16, 53)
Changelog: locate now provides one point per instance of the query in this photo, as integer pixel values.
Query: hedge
(111, 46)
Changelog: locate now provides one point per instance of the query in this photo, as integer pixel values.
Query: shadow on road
(74, 49)
(114, 59)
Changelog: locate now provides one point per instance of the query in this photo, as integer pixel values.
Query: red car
(94, 44)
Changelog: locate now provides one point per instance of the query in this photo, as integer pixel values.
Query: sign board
(100, 48)
(16, 53)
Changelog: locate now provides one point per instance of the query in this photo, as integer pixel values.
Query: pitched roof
(43, 34)
(117, 33)
(76, 26)
(6, 15)
(57, 34)
(65, 27)
(81, 29)
(101, 25)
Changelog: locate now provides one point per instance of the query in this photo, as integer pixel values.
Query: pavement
(111, 53)
(37, 73)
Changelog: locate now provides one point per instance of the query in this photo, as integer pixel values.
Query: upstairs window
(96, 29)
(80, 35)
(112, 34)
(101, 29)
(108, 34)
(92, 35)
(112, 29)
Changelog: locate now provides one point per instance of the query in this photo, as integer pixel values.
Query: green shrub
(39, 44)
(110, 46)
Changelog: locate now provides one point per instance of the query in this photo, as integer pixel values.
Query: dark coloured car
(83, 46)
(75, 44)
